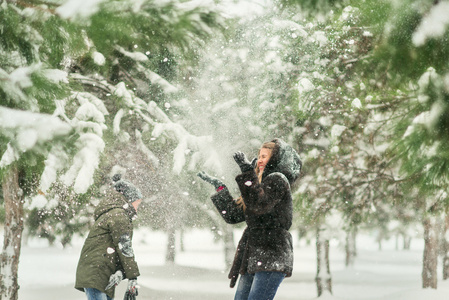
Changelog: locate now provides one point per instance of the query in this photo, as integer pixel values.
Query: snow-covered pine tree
(399, 155)
(28, 88)
(414, 51)
(327, 121)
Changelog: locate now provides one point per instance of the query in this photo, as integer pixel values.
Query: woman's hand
(212, 180)
(244, 164)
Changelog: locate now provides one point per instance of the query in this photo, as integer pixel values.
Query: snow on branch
(117, 119)
(56, 160)
(157, 79)
(73, 9)
(142, 147)
(137, 56)
(153, 77)
(28, 131)
(84, 163)
(89, 123)
(433, 25)
(13, 84)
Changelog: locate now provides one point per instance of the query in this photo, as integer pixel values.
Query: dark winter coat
(266, 244)
(108, 247)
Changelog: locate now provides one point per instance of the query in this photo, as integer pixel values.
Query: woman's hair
(267, 145)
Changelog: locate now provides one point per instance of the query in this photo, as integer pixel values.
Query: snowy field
(49, 272)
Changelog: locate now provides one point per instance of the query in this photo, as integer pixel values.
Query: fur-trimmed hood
(284, 159)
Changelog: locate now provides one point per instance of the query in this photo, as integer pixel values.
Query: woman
(107, 256)
(265, 253)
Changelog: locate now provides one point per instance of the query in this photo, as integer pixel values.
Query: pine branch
(91, 82)
(38, 5)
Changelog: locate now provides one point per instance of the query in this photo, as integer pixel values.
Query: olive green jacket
(108, 247)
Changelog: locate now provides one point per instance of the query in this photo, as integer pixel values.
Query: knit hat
(128, 190)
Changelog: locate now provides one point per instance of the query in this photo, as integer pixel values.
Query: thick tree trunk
(351, 249)
(323, 275)
(9, 259)
(430, 257)
(171, 246)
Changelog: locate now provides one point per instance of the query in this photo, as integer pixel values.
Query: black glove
(209, 179)
(131, 290)
(114, 280)
(244, 164)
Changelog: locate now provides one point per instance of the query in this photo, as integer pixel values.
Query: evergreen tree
(394, 141)
(413, 54)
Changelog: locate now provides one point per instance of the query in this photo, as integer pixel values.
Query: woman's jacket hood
(284, 159)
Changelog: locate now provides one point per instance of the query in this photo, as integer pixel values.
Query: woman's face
(264, 156)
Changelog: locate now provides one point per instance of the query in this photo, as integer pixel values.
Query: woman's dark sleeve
(260, 198)
(231, 212)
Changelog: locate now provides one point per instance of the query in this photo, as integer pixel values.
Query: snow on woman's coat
(266, 244)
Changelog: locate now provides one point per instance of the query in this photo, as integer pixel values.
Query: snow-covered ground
(199, 273)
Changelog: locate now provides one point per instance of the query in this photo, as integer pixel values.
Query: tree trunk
(397, 241)
(445, 244)
(407, 241)
(229, 246)
(323, 276)
(181, 241)
(9, 259)
(430, 257)
(351, 249)
(171, 246)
